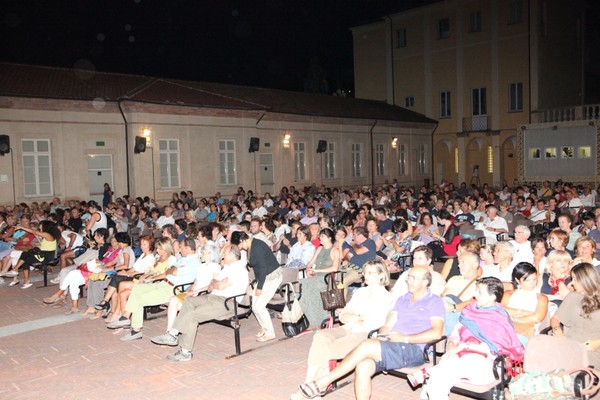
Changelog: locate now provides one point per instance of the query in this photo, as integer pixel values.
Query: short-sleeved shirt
(238, 278)
(465, 217)
(361, 259)
(415, 318)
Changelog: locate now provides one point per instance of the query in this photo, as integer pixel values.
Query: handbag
(333, 299)
(558, 384)
(293, 320)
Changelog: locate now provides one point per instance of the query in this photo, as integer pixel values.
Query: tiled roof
(60, 83)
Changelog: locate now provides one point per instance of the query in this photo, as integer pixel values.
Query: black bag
(293, 320)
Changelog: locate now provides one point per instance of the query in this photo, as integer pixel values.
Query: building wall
(498, 55)
(78, 129)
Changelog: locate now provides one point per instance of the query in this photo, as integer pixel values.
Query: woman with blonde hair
(366, 311)
(555, 283)
(585, 250)
(578, 317)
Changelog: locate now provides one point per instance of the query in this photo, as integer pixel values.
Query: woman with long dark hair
(49, 235)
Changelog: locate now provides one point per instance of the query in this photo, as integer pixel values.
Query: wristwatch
(454, 308)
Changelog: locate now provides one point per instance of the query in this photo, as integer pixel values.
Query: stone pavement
(45, 354)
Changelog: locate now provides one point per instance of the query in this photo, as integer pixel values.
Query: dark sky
(267, 43)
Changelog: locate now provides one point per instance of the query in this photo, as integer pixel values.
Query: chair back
(545, 353)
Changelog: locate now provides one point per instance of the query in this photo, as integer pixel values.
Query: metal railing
(476, 123)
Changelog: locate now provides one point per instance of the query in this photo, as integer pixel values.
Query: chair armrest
(181, 287)
(372, 333)
(235, 303)
(431, 345)
(500, 372)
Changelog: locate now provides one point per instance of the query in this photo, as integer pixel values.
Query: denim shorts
(396, 355)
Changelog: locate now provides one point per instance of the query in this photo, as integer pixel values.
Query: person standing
(268, 278)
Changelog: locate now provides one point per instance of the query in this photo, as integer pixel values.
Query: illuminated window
(490, 156)
(456, 160)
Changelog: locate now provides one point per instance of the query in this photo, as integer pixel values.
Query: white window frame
(379, 159)
(400, 38)
(445, 104)
(515, 97)
(475, 22)
(37, 157)
(330, 170)
(300, 161)
(356, 160)
(227, 158)
(479, 101)
(169, 154)
(422, 159)
(402, 160)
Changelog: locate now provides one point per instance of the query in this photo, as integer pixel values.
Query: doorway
(267, 179)
(100, 171)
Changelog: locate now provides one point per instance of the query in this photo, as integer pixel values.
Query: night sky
(267, 43)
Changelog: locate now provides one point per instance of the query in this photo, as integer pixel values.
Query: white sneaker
(13, 283)
(1, 280)
(55, 281)
(11, 274)
(27, 285)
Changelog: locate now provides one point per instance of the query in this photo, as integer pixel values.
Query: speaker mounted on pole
(140, 144)
(254, 144)
(4, 144)
(322, 146)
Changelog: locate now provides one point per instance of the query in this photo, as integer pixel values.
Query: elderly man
(492, 225)
(232, 280)
(416, 318)
(522, 245)
(503, 264)
(422, 257)
(167, 218)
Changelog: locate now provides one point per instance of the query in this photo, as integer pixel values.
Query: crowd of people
(488, 268)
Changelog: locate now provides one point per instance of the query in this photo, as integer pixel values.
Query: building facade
(71, 131)
(483, 68)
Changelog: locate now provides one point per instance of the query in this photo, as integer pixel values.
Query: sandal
(51, 300)
(418, 377)
(311, 390)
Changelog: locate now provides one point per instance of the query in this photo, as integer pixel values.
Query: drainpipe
(372, 157)
(119, 102)
(390, 64)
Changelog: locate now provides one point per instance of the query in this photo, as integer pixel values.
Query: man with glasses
(522, 245)
(422, 256)
(416, 318)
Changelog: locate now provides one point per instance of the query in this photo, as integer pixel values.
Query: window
(535, 153)
(479, 102)
(37, 167)
(515, 12)
(456, 160)
(409, 101)
(380, 159)
(445, 110)
(169, 163)
(356, 160)
(227, 171)
(475, 21)
(401, 38)
(330, 161)
(444, 28)
(585, 152)
(516, 97)
(422, 160)
(402, 160)
(300, 161)
(550, 152)
(490, 159)
(567, 152)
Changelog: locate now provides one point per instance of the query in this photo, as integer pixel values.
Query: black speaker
(254, 144)
(4, 144)
(140, 144)
(322, 147)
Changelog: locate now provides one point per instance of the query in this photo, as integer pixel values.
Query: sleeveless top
(324, 259)
(48, 245)
(524, 300)
(101, 223)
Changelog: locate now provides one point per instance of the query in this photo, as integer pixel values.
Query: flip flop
(311, 390)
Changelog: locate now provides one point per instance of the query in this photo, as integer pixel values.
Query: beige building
(483, 68)
(71, 131)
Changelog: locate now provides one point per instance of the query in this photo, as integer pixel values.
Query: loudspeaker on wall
(322, 146)
(140, 145)
(254, 144)
(4, 144)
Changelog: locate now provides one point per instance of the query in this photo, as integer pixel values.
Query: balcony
(476, 123)
(587, 112)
